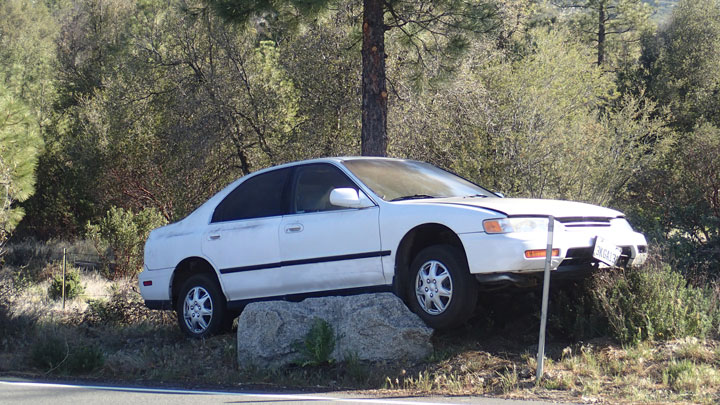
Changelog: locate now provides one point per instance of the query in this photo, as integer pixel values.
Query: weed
(508, 380)
(355, 369)
(421, 383)
(562, 381)
(686, 376)
(318, 344)
(692, 349)
(438, 356)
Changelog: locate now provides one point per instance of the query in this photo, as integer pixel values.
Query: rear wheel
(201, 307)
(440, 289)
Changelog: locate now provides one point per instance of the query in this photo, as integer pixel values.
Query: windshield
(395, 180)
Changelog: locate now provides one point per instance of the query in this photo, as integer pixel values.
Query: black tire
(201, 307)
(446, 295)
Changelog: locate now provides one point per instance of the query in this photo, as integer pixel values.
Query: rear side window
(257, 197)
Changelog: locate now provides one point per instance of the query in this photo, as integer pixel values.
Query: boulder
(368, 327)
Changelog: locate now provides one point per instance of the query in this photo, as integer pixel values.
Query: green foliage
(573, 313)
(19, 147)
(654, 303)
(683, 63)
(73, 285)
(613, 27)
(27, 51)
(536, 126)
(84, 359)
(49, 353)
(686, 376)
(120, 237)
(52, 354)
(677, 202)
(318, 345)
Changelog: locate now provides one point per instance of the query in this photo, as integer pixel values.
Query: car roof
(336, 159)
(212, 201)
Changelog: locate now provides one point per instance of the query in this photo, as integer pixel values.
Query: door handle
(214, 237)
(293, 228)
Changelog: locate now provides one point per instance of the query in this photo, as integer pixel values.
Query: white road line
(293, 397)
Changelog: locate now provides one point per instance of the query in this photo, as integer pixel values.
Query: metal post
(63, 280)
(546, 292)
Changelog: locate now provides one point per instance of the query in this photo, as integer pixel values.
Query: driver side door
(325, 247)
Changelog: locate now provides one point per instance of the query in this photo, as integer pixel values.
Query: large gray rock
(371, 327)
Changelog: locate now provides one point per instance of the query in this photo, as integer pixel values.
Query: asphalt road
(22, 392)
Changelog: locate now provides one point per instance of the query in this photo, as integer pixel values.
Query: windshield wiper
(475, 195)
(413, 197)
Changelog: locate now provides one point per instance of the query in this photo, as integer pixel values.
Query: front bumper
(505, 253)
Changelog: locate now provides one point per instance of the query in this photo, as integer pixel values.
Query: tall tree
(27, 32)
(19, 146)
(608, 23)
(684, 64)
(425, 23)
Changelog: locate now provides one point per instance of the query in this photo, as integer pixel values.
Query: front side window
(313, 184)
(257, 197)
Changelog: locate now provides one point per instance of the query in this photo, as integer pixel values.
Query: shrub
(84, 359)
(119, 239)
(573, 312)
(14, 326)
(318, 344)
(56, 355)
(49, 353)
(125, 306)
(653, 303)
(73, 286)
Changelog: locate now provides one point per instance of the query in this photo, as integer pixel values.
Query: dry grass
(142, 345)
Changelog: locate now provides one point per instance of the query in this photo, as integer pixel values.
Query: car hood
(528, 206)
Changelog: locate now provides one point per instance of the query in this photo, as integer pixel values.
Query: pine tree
(19, 147)
(425, 23)
(607, 23)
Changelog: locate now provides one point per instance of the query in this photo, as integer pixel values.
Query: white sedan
(341, 226)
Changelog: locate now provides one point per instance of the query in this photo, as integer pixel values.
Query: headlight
(507, 225)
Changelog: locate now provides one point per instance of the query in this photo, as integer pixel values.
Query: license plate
(606, 252)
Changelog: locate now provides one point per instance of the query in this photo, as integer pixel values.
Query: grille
(582, 222)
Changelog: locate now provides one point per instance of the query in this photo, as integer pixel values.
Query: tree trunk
(601, 35)
(374, 93)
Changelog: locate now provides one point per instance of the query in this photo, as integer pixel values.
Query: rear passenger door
(325, 247)
(242, 238)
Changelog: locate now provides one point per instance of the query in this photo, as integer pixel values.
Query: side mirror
(349, 198)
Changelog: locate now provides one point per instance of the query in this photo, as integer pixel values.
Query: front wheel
(200, 307)
(441, 290)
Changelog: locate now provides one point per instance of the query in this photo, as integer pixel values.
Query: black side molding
(291, 263)
(158, 304)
